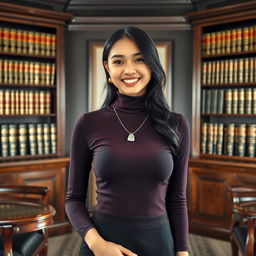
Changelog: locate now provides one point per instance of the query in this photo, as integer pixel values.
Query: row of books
(242, 70)
(25, 102)
(229, 41)
(228, 101)
(27, 42)
(28, 139)
(27, 72)
(228, 139)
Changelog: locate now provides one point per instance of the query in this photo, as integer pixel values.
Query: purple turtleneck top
(134, 179)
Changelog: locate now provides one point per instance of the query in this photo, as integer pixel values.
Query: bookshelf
(224, 114)
(32, 102)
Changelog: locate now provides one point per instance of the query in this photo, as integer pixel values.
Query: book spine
(12, 102)
(19, 41)
(47, 102)
(7, 102)
(4, 140)
(46, 134)
(230, 139)
(241, 100)
(254, 101)
(220, 104)
(241, 147)
(228, 101)
(1, 102)
(251, 71)
(15, 72)
(32, 139)
(239, 39)
(25, 41)
(6, 40)
(31, 72)
(234, 101)
(209, 146)
(251, 38)
(246, 70)
(17, 102)
(22, 139)
(228, 41)
(248, 101)
(13, 140)
(251, 140)
(22, 102)
(53, 138)
(42, 102)
(1, 70)
(31, 42)
(30, 102)
(53, 44)
(21, 72)
(53, 68)
(219, 148)
(245, 32)
(40, 139)
(204, 128)
(203, 101)
(215, 137)
(37, 43)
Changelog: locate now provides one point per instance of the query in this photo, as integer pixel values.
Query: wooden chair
(31, 243)
(243, 221)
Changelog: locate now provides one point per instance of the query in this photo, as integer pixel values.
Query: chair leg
(44, 251)
(234, 248)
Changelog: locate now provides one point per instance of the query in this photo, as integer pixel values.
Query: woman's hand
(182, 253)
(105, 248)
(101, 247)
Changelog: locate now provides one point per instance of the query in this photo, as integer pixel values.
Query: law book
(248, 101)
(19, 41)
(208, 44)
(47, 102)
(37, 43)
(203, 101)
(10, 71)
(42, 103)
(239, 39)
(218, 42)
(235, 71)
(228, 101)
(53, 68)
(204, 128)
(7, 102)
(251, 70)
(214, 99)
(53, 138)
(31, 42)
(226, 71)
(25, 41)
(251, 38)
(53, 44)
(241, 140)
(220, 105)
(30, 102)
(230, 132)
(209, 145)
(36, 73)
(223, 41)
(22, 139)
(40, 139)
(1, 38)
(215, 137)
(222, 68)
(48, 44)
(31, 72)
(42, 43)
(21, 72)
(254, 68)
(46, 135)
(203, 44)
(217, 76)
(26, 72)
(230, 71)
(12, 102)
(241, 101)
(246, 70)
(254, 101)
(32, 139)
(1, 102)
(5, 73)
(254, 41)
(26, 101)
(245, 38)
(13, 140)
(208, 101)
(251, 140)
(13, 40)
(235, 140)
(233, 40)
(213, 75)
(48, 74)
(228, 41)
(4, 140)
(213, 43)
(17, 102)
(240, 70)
(37, 102)
(234, 101)
(6, 40)
(42, 73)
(1, 71)
(219, 146)
(15, 72)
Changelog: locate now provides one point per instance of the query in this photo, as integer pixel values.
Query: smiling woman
(127, 68)
(139, 149)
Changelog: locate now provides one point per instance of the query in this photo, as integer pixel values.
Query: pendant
(131, 137)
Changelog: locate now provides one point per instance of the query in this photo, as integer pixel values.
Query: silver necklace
(131, 136)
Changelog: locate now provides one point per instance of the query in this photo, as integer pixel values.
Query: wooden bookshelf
(37, 38)
(211, 174)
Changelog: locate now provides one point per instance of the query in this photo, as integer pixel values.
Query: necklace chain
(125, 127)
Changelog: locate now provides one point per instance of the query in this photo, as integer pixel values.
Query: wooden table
(22, 217)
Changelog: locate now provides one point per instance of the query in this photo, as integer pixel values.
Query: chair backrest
(24, 193)
(243, 194)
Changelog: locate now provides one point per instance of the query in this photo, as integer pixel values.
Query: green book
(220, 104)
(40, 139)
(241, 139)
(208, 101)
(203, 103)
(229, 143)
(4, 140)
(13, 139)
(214, 98)
(209, 146)
(22, 139)
(46, 134)
(234, 101)
(32, 139)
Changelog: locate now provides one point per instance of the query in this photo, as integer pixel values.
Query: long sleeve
(79, 170)
(176, 203)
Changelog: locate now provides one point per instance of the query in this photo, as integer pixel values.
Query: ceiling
(90, 8)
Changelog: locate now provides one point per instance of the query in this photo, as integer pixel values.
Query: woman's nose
(129, 69)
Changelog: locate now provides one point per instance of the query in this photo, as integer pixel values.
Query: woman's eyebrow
(122, 56)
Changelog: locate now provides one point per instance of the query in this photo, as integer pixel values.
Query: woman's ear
(106, 66)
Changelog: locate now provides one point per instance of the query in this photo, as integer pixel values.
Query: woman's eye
(140, 60)
(117, 62)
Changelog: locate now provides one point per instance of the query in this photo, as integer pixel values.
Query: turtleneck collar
(129, 103)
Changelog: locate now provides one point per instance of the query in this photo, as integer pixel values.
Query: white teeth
(130, 81)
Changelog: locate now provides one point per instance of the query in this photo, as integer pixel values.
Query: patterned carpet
(69, 244)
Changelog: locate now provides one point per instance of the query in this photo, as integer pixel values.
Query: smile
(130, 81)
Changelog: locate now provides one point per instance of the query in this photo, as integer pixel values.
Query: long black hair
(155, 103)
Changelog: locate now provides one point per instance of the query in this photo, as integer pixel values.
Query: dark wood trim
(28, 12)
(110, 23)
(224, 13)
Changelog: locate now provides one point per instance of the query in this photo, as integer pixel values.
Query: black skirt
(145, 237)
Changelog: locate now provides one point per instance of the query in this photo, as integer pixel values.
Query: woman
(139, 150)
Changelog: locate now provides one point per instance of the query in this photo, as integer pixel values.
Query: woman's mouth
(130, 82)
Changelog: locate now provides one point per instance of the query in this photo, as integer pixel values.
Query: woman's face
(127, 69)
